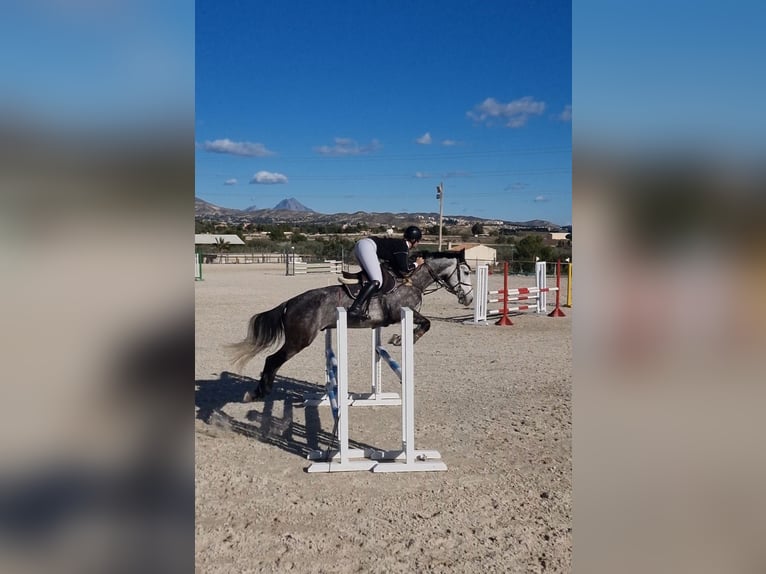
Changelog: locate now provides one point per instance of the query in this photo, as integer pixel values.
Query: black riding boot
(356, 311)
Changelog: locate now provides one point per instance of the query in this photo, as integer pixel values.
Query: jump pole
(504, 319)
(344, 459)
(569, 285)
(408, 458)
(538, 294)
(376, 396)
(557, 312)
(331, 374)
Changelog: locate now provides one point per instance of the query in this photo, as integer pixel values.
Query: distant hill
(291, 211)
(292, 204)
(202, 208)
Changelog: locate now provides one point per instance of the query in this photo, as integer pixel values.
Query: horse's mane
(459, 255)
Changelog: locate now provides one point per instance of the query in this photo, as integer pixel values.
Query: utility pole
(440, 197)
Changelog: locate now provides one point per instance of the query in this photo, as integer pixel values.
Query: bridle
(457, 290)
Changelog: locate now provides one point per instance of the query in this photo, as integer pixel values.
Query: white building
(213, 238)
(476, 253)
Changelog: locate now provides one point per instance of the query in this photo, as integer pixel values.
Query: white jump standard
(406, 459)
(376, 396)
(536, 296)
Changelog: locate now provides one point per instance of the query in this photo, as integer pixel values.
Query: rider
(371, 250)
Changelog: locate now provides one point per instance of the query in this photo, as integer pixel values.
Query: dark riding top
(396, 253)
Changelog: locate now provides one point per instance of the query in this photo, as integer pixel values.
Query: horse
(297, 321)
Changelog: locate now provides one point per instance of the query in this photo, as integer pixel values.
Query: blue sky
(350, 106)
(105, 65)
(670, 76)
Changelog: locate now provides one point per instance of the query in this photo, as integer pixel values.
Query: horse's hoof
(248, 398)
(395, 340)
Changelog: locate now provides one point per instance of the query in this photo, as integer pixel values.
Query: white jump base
(345, 459)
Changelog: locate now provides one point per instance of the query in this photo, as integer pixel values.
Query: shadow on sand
(211, 396)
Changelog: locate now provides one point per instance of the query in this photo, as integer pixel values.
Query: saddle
(352, 282)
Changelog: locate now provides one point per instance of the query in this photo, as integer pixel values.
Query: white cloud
(425, 139)
(231, 181)
(566, 114)
(268, 177)
(422, 175)
(449, 143)
(513, 114)
(347, 146)
(540, 198)
(246, 149)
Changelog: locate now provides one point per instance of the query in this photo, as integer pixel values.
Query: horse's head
(451, 271)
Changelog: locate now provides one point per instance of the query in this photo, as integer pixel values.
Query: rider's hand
(419, 261)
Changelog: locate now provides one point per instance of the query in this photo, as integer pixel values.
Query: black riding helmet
(413, 234)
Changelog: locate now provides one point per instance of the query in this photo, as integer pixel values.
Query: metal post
(440, 197)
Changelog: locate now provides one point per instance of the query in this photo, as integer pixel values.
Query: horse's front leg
(422, 325)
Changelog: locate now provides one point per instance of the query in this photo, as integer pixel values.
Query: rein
(442, 283)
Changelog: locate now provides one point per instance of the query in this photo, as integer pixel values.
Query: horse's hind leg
(275, 361)
(270, 368)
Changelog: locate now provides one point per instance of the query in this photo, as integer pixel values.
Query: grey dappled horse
(297, 321)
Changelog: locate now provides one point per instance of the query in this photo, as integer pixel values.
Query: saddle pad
(352, 282)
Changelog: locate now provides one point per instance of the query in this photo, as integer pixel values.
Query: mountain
(204, 209)
(292, 204)
(292, 212)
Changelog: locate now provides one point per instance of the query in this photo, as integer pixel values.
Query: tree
(221, 245)
(277, 235)
(263, 245)
(505, 252)
(333, 247)
(203, 226)
(477, 228)
(532, 246)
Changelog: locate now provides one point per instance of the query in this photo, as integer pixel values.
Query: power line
(454, 195)
(415, 156)
(430, 156)
(468, 175)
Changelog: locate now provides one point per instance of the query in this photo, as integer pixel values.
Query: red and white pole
(557, 312)
(504, 320)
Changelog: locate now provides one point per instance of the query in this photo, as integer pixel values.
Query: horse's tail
(264, 330)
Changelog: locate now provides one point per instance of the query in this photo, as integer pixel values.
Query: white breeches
(367, 254)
